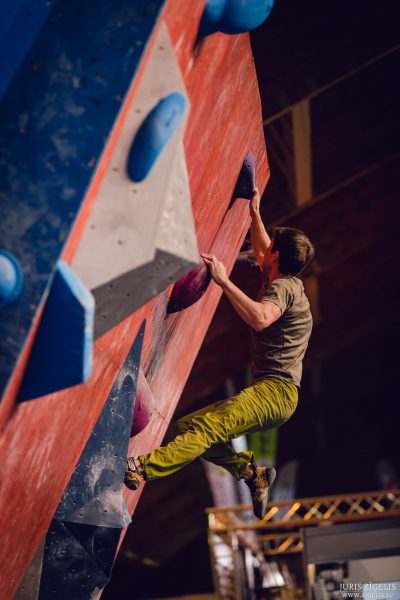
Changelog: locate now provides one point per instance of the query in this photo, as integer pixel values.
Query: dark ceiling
(329, 84)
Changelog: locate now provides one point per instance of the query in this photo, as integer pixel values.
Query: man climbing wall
(281, 323)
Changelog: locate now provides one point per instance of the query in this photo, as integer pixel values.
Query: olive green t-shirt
(278, 350)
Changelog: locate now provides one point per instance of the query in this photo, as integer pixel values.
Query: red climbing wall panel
(43, 440)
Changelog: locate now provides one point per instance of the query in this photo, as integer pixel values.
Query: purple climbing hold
(144, 405)
(247, 179)
(189, 288)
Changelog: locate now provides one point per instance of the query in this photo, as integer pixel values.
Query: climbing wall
(124, 131)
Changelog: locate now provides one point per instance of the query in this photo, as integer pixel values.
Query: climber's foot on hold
(132, 477)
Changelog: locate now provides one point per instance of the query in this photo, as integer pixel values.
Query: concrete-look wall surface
(385, 568)
(44, 439)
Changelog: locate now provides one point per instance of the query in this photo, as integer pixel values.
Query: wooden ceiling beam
(334, 82)
(345, 220)
(302, 151)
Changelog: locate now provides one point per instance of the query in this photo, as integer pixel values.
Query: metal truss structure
(234, 535)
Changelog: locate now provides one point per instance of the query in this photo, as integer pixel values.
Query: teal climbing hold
(11, 279)
(233, 16)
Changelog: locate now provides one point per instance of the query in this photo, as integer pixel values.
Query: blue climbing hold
(11, 279)
(233, 16)
(153, 135)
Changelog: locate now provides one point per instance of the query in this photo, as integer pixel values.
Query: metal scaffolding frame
(232, 531)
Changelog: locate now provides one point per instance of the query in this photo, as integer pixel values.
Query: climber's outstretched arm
(260, 239)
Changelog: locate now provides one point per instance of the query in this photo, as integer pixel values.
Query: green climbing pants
(207, 432)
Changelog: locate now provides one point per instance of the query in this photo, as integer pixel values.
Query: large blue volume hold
(233, 16)
(153, 135)
(62, 354)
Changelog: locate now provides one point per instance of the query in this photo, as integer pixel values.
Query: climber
(280, 322)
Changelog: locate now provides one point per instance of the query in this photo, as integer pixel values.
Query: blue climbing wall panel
(71, 566)
(20, 22)
(55, 118)
(82, 540)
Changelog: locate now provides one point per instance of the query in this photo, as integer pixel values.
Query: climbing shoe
(258, 485)
(132, 477)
